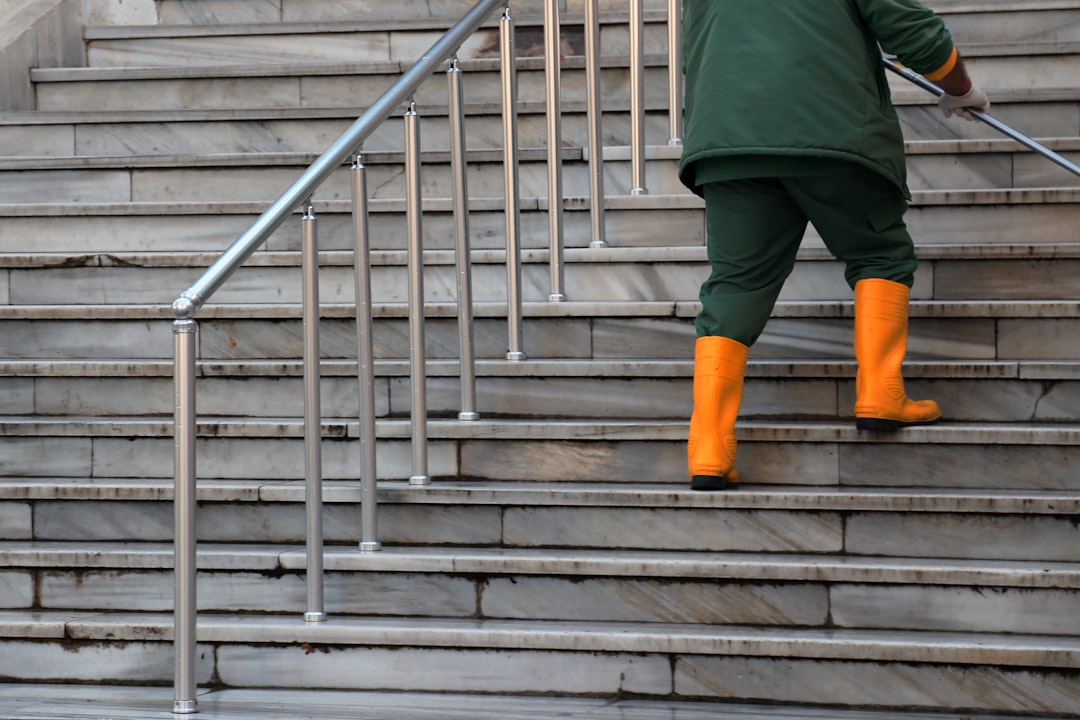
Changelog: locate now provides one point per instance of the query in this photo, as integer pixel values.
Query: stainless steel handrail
(187, 305)
(332, 159)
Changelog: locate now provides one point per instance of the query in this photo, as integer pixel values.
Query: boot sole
(883, 425)
(711, 482)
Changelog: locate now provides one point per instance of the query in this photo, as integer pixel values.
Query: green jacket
(771, 83)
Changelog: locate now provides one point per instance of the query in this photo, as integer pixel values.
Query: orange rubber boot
(719, 369)
(881, 332)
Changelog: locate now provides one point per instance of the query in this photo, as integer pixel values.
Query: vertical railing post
(365, 359)
(513, 187)
(637, 97)
(595, 113)
(675, 81)
(462, 252)
(184, 503)
(312, 416)
(417, 364)
(552, 74)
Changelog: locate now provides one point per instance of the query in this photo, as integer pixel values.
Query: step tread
(669, 638)
(770, 567)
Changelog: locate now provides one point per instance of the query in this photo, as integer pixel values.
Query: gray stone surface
(489, 671)
(16, 589)
(65, 702)
(877, 684)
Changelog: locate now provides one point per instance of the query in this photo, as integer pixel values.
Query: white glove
(974, 99)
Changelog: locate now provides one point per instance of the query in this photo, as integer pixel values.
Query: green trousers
(755, 227)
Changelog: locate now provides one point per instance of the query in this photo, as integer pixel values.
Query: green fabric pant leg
(755, 227)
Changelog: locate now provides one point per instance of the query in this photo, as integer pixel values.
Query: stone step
(1000, 392)
(967, 15)
(1043, 112)
(993, 218)
(960, 455)
(355, 40)
(306, 130)
(491, 584)
(777, 390)
(318, 85)
(970, 16)
(251, 177)
(947, 273)
(58, 701)
(941, 330)
(1022, 673)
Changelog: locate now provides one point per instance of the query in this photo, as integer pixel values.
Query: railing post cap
(183, 308)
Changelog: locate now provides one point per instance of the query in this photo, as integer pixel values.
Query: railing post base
(370, 546)
(468, 416)
(315, 616)
(185, 707)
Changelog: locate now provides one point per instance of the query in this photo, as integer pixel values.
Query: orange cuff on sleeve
(945, 69)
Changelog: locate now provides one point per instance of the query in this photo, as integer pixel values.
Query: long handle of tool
(985, 118)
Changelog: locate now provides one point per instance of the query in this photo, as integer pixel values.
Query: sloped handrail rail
(198, 293)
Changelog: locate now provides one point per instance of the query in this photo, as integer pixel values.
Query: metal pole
(417, 373)
(637, 97)
(462, 252)
(675, 82)
(184, 603)
(513, 188)
(365, 360)
(312, 417)
(595, 112)
(552, 66)
(985, 118)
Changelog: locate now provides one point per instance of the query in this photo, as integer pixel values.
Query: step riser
(597, 599)
(1012, 401)
(762, 460)
(622, 282)
(327, 91)
(894, 685)
(93, 234)
(384, 182)
(951, 339)
(989, 24)
(966, 535)
(349, 46)
(195, 137)
(236, 184)
(164, 135)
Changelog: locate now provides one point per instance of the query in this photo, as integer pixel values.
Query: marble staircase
(559, 550)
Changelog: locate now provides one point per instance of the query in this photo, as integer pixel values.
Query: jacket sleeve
(910, 31)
